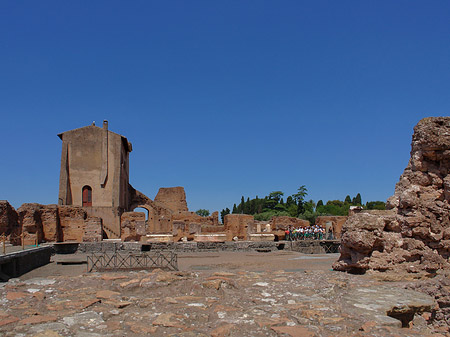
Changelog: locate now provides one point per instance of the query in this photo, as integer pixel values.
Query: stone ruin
(413, 236)
(168, 219)
(96, 202)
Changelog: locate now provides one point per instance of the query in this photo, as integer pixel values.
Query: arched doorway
(87, 196)
(143, 210)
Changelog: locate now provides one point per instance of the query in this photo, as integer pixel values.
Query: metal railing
(16, 239)
(116, 261)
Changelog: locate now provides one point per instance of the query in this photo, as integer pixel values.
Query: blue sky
(225, 98)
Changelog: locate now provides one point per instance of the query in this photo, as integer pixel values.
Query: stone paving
(213, 303)
(216, 295)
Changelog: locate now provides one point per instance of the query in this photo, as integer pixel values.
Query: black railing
(132, 261)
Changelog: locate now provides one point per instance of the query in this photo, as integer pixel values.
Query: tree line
(297, 206)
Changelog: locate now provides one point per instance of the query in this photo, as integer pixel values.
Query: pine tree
(358, 200)
(223, 213)
(246, 208)
(302, 192)
(234, 209)
(319, 203)
(289, 201)
(240, 208)
(348, 200)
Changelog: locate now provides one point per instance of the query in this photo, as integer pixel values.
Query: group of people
(314, 232)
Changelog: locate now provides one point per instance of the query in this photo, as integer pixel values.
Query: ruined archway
(143, 210)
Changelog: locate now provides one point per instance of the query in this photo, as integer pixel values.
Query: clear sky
(225, 98)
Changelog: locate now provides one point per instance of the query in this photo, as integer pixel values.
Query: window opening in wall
(144, 210)
(87, 196)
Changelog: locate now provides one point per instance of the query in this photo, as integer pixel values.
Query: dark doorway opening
(87, 196)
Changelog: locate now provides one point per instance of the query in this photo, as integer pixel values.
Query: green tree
(280, 207)
(302, 192)
(292, 210)
(358, 200)
(234, 209)
(319, 203)
(267, 215)
(202, 212)
(269, 203)
(223, 213)
(240, 208)
(246, 208)
(289, 201)
(309, 206)
(276, 195)
(381, 205)
(348, 200)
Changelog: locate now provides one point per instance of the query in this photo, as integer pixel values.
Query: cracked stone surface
(225, 299)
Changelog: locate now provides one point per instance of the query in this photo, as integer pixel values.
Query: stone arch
(143, 210)
(152, 215)
(150, 210)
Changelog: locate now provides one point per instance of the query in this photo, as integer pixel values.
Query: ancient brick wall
(93, 230)
(9, 224)
(172, 198)
(133, 226)
(238, 225)
(336, 222)
(184, 229)
(283, 222)
(31, 223)
(52, 223)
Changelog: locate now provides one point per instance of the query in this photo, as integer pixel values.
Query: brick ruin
(59, 223)
(96, 202)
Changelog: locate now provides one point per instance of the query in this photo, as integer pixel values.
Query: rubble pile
(414, 236)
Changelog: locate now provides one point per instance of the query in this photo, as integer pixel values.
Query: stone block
(261, 237)
(216, 237)
(157, 238)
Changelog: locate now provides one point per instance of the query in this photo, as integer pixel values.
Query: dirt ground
(212, 261)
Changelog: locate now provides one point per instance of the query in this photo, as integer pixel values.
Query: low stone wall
(19, 263)
(307, 247)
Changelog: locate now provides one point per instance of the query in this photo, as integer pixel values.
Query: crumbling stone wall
(183, 229)
(50, 223)
(283, 222)
(415, 235)
(192, 217)
(93, 230)
(133, 226)
(337, 222)
(9, 224)
(172, 198)
(31, 223)
(238, 225)
(279, 224)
